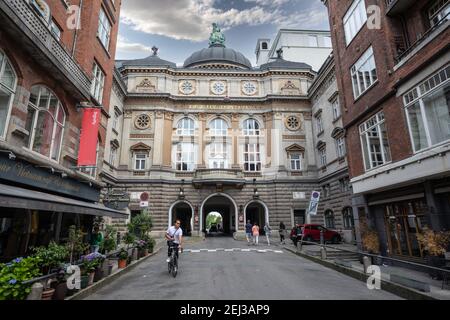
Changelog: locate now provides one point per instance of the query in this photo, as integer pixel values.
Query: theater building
(214, 135)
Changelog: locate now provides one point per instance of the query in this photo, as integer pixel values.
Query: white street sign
(314, 203)
(143, 204)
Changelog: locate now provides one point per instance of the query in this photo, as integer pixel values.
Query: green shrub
(14, 273)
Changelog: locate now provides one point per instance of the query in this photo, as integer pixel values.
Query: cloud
(192, 19)
(130, 47)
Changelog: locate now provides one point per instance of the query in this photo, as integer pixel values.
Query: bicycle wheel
(169, 264)
(175, 266)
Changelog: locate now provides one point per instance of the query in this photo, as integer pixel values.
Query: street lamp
(255, 190)
(181, 195)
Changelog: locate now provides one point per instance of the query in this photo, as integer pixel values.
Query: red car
(311, 232)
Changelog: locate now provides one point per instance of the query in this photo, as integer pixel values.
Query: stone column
(201, 163)
(235, 139)
(310, 157)
(125, 143)
(268, 117)
(358, 202)
(158, 140)
(277, 140)
(167, 140)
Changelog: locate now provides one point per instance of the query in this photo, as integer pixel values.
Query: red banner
(87, 156)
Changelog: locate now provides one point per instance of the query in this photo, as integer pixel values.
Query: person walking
(267, 231)
(282, 232)
(248, 231)
(255, 232)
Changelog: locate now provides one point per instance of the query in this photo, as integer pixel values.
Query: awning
(14, 197)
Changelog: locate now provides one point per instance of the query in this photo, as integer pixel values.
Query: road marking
(232, 250)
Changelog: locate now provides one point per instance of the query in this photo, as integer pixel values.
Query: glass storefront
(404, 220)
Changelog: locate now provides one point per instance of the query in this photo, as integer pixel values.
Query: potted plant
(370, 242)
(151, 244)
(76, 245)
(90, 263)
(13, 274)
(52, 257)
(123, 257)
(434, 244)
(142, 248)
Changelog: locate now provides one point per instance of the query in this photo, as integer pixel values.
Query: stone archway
(257, 212)
(184, 211)
(226, 206)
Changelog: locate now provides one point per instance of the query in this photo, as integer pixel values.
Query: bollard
(134, 254)
(367, 263)
(323, 253)
(321, 236)
(36, 292)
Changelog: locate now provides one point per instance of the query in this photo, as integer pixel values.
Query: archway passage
(183, 212)
(225, 207)
(256, 213)
(214, 223)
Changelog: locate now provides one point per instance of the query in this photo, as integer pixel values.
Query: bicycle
(173, 263)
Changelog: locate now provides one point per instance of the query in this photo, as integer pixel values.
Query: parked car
(311, 232)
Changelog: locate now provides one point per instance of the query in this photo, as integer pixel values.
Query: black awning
(14, 197)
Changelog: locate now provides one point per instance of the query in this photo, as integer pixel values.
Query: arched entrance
(182, 210)
(225, 206)
(257, 212)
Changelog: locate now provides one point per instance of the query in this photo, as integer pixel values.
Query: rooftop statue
(217, 37)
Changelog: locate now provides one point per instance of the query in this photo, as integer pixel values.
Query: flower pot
(60, 291)
(91, 278)
(146, 252)
(122, 263)
(98, 275)
(48, 294)
(110, 268)
(84, 281)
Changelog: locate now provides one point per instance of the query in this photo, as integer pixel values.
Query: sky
(181, 27)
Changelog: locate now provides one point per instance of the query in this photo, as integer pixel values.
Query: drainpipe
(76, 29)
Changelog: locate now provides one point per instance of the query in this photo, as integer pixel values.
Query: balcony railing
(28, 21)
(394, 7)
(430, 32)
(218, 174)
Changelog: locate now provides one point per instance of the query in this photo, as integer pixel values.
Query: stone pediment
(295, 148)
(146, 86)
(140, 147)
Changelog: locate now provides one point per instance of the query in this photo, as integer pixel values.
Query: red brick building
(394, 78)
(49, 68)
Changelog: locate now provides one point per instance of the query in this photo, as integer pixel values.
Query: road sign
(314, 203)
(144, 196)
(143, 204)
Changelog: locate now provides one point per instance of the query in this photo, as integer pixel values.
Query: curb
(106, 281)
(399, 290)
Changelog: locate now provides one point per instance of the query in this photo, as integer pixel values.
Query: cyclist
(174, 235)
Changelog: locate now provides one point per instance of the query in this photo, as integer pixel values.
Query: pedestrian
(267, 231)
(248, 231)
(282, 232)
(255, 232)
(96, 239)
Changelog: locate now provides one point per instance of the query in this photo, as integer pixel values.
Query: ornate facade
(214, 135)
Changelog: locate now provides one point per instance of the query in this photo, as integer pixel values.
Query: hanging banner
(87, 156)
(314, 203)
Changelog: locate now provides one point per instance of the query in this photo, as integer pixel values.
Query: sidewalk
(394, 275)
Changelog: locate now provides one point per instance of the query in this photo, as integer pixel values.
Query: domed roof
(217, 54)
(150, 61)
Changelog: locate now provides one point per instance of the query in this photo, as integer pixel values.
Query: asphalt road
(236, 275)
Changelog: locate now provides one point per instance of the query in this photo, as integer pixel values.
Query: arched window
(251, 127)
(347, 216)
(186, 127)
(8, 82)
(218, 127)
(45, 122)
(329, 219)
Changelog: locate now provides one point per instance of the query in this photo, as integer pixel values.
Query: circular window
(186, 87)
(218, 87)
(293, 123)
(249, 88)
(142, 121)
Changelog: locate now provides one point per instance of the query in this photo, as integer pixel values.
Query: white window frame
(9, 90)
(56, 123)
(98, 83)
(296, 164)
(220, 160)
(354, 20)
(252, 150)
(218, 127)
(336, 106)
(115, 120)
(323, 156)
(365, 130)
(104, 29)
(180, 156)
(340, 147)
(186, 127)
(251, 128)
(140, 161)
(319, 124)
(427, 87)
(367, 60)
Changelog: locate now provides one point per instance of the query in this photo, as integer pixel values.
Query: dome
(217, 54)
(150, 61)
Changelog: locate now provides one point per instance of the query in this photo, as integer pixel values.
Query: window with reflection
(45, 122)
(218, 127)
(186, 127)
(8, 81)
(251, 127)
